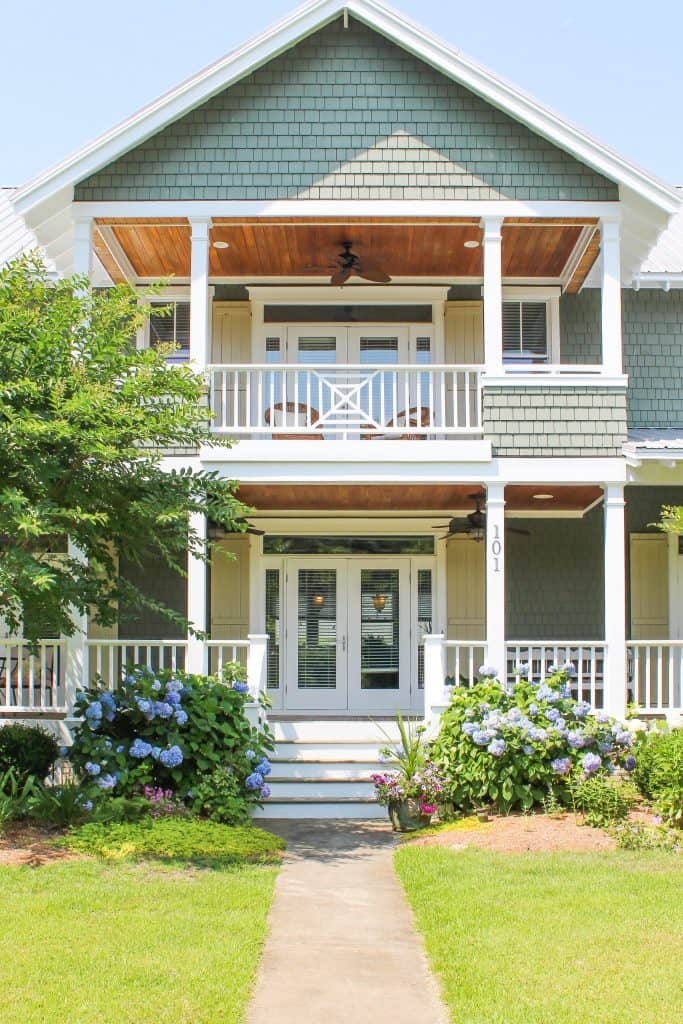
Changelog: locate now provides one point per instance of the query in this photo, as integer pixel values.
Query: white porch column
(615, 601)
(495, 579)
(611, 297)
(493, 295)
(434, 677)
(196, 601)
(77, 662)
(199, 292)
(82, 248)
(257, 664)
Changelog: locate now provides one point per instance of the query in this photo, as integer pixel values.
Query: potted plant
(411, 791)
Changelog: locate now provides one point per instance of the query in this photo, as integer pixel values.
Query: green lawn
(551, 938)
(86, 942)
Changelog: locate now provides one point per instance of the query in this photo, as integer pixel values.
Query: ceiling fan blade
(376, 276)
(443, 526)
(515, 529)
(340, 276)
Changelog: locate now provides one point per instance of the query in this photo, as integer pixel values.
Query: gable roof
(48, 196)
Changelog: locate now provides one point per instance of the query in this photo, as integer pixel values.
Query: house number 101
(496, 549)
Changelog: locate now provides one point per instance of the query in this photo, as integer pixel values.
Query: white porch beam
(495, 578)
(611, 297)
(615, 600)
(493, 294)
(197, 576)
(199, 291)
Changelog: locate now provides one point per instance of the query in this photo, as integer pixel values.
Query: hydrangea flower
(522, 669)
(156, 685)
(140, 749)
(94, 710)
(497, 748)
(469, 728)
(173, 698)
(172, 757)
(146, 707)
(591, 763)
(109, 706)
(265, 791)
(174, 686)
(120, 749)
(92, 768)
(63, 751)
(240, 687)
(88, 806)
(107, 781)
(481, 737)
(528, 750)
(568, 667)
(538, 735)
(630, 763)
(180, 716)
(552, 714)
(250, 755)
(533, 710)
(162, 709)
(576, 740)
(254, 781)
(264, 767)
(561, 765)
(156, 753)
(581, 709)
(488, 671)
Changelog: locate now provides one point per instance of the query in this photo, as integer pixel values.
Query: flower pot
(482, 813)
(406, 815)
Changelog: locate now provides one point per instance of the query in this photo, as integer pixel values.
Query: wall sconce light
(379, 601)
(318, 600)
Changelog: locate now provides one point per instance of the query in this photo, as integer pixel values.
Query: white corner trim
(296, 26)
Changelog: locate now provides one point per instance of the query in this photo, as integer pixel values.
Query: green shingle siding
(653, 357)
(580, 340)
(554, 579)
(554, 422)
(346, 115)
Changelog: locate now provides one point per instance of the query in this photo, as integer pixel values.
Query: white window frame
(551, 297)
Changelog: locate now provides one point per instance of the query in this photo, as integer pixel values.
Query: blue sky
(71, 70)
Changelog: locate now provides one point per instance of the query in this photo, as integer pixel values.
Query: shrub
(186, 839)
(169, 730)
(16, 794)
(28, 749)
(658, 771)
(512, 749)
(63, 806)
(634, 836)
(603, 801)
(219, 797)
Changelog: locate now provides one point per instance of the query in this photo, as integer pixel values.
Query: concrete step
(322, 789)
(354, 730)
(318, 808)
(299, 768)
(315, 750)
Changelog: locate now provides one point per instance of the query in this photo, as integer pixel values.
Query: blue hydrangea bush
(170, 730)
(513, 749)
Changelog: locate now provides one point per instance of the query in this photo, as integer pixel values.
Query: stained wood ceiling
(424, 248)
(411, 497)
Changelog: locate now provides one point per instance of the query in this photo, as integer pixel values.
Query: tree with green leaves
(85, 418)
(671, 519)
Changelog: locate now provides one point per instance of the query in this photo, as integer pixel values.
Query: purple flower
(488, 671)
(581, 709)
(140, 749)
(180, 716)
(92, 769)
(561, 765)
(591, 763)
(469, 728)
(576, 740)
(254, 781)
(240, 687)
(630, 763)
(162, 709)
(107, 781)
(482, 738)
(173, 697)
(264, 767)
(265, 791)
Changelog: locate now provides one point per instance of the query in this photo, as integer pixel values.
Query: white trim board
(297, 26)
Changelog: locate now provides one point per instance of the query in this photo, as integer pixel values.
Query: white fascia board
(296, 26)
(299, 453)
(539, 380)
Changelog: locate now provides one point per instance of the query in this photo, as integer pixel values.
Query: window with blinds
(273, 628)
(525, 332)
(171, 329)
(379, 629)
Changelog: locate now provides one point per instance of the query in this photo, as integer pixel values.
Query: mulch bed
(519, 833)
(31, 845)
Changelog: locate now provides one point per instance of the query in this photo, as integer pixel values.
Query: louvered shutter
(525, 332)
(172, 329)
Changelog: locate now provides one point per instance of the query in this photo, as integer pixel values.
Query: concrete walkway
(342, 947)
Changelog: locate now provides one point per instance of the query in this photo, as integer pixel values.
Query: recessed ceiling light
(221, 245)
(543, 497)
(471, 243)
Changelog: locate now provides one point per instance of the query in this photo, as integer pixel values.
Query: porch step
(291, 807)
(323, 768)
(366, 751)
(334, 730)
(310, 789)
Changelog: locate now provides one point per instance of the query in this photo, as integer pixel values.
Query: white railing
(587, 658)
(463, 660)
(221, 652)
(346, 402)
(32, 678)
(108, 659)
(655, 675)
(553, 370)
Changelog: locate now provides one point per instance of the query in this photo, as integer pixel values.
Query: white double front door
(352, 634)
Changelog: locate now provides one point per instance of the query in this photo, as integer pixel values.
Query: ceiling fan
(348, 263)
(474, 525)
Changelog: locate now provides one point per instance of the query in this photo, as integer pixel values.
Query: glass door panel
(379, 636)
(316, 631)
(313, 394)
(384, 392)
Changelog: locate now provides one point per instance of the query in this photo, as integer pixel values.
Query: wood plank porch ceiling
(428, 247)
(411, 497)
